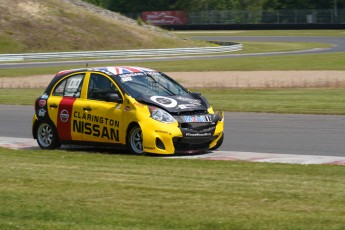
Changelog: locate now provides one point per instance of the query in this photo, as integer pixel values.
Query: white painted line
(23, 143)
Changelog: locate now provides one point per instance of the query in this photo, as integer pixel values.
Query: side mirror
(113, 97)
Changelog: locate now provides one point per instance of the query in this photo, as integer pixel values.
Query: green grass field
(88, 190)
(330, 61)
(234, 33)
(298, 101)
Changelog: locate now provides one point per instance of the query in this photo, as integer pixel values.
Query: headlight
(161, 115)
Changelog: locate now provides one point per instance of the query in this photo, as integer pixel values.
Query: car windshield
(150, 84)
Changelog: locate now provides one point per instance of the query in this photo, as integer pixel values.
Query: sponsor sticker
(44, 96)
(187, 106)
(41, 113)
(124, 79)
(147, 147)
(128, 76)
(198, 118)
(64, 115)
(42, 103)
(191, 151)
(198, 134)
(96, 126)
(138, 104)
(164, 101)
(162, 131)
(189, 100)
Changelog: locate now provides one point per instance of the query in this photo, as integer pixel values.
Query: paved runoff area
(27, 143)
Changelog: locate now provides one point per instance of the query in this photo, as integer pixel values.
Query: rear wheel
(219, 143)
(135, 140)
(47, 137)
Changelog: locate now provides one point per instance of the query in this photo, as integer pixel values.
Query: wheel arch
(129, 127)
(56, 142)
(36, 121)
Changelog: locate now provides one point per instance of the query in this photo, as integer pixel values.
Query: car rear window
(70, 86)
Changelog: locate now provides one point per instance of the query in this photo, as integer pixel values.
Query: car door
(96, 118)
(65, 95)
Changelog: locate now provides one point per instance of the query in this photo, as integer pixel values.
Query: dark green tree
(127, 6)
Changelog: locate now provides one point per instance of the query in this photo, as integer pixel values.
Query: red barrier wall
(165, 17)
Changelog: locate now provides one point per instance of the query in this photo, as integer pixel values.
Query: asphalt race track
(316, 135)
(337, 42)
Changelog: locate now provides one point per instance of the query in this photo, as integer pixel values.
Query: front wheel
(135, 140)
(47, 137)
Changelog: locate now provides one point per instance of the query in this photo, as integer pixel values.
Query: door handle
(53, 106)
(87, 108)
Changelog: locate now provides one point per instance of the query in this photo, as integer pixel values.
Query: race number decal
(74, 82)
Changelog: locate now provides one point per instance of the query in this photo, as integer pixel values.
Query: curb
(17, 143)
(28, 143)
(269, 158)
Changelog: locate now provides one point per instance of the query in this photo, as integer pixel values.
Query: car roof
(113, 70)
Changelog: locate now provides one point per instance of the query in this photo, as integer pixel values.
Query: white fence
(119, 53)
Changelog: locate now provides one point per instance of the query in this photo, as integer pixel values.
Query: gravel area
(223, 79)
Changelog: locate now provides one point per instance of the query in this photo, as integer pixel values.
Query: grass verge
(80, 190)
(19, 96)
(295, 101)
(234, 33)
(329, 61)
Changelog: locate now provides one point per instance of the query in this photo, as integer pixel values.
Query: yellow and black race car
(134, 107)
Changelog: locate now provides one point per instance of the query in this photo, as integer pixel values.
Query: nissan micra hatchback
(138, 108)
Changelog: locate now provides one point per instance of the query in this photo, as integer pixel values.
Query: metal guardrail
(119, 53)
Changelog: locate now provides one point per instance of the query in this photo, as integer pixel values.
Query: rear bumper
(34, 126)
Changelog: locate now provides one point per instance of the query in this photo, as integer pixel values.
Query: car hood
(177, 104)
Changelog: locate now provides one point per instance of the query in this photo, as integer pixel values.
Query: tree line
(137, 6)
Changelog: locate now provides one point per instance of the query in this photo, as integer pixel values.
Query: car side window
(99, 87)
(70, 87)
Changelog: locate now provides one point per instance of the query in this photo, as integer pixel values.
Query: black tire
(47, 136)
(135, 140)
(219, 143)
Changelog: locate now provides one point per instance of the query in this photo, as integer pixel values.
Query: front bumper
(189, 145)
(179, 138)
